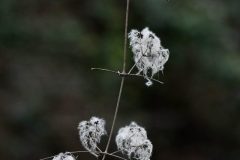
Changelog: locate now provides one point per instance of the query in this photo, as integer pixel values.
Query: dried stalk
(122, 80)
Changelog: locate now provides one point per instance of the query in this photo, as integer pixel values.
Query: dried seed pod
(132, 140)
(148, 53)
(90, 133)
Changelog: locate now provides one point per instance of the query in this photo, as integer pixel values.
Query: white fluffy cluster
(64, 156)
(133, 141)
(148, 53)
(90, 133)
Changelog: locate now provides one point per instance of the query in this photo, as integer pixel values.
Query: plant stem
(114, 156)
(115, 152)
(125, 37)
(122, 80)
(115, 115)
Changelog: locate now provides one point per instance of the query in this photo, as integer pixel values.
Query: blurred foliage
(46, 86)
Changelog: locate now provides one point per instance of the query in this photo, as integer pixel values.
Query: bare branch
(115, 152)
(107, 70)
(126, 74)
(47, 157)
(131, 68)
(112, 155)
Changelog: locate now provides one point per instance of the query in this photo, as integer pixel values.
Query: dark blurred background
(47, 48)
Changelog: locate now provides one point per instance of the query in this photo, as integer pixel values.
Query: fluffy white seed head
(64, 156)
(90, 133)
(132, 140)
(148, 53)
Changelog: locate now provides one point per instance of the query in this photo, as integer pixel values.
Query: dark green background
(47, 48)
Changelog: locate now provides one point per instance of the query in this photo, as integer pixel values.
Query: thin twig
(115, 152)
(47, 157)
(125, 37)
(122, 80)
(95, 155)
(131, 68)
(107, 70)
(73, 152)
(99, 149)
(114, 156)
(115, 115)
(126, 74)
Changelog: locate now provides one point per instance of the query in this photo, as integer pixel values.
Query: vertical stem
(122, 80)
(115, 114)
(125, 38)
